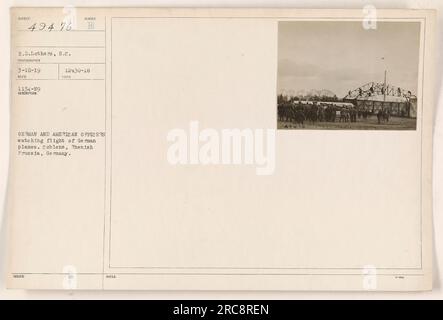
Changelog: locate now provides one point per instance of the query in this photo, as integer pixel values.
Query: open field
(371, 123)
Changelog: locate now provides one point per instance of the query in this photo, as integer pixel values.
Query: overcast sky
(342, 56)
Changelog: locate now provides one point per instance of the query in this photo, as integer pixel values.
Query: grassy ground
(395, 123)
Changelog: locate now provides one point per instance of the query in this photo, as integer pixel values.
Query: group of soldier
(300, 112)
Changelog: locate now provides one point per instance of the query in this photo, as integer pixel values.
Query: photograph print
(341, 75)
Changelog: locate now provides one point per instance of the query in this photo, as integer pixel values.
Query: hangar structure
(375, 96)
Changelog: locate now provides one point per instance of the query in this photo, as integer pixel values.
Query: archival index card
(221, 149)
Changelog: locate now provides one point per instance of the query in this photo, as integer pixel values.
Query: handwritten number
(42, 26)
(32, 27)
(66, 26)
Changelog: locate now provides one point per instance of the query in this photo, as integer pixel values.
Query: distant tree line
(283, 98)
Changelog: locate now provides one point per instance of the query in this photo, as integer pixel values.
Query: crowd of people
(300, 112)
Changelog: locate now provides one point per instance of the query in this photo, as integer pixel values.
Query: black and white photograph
(347, 75)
